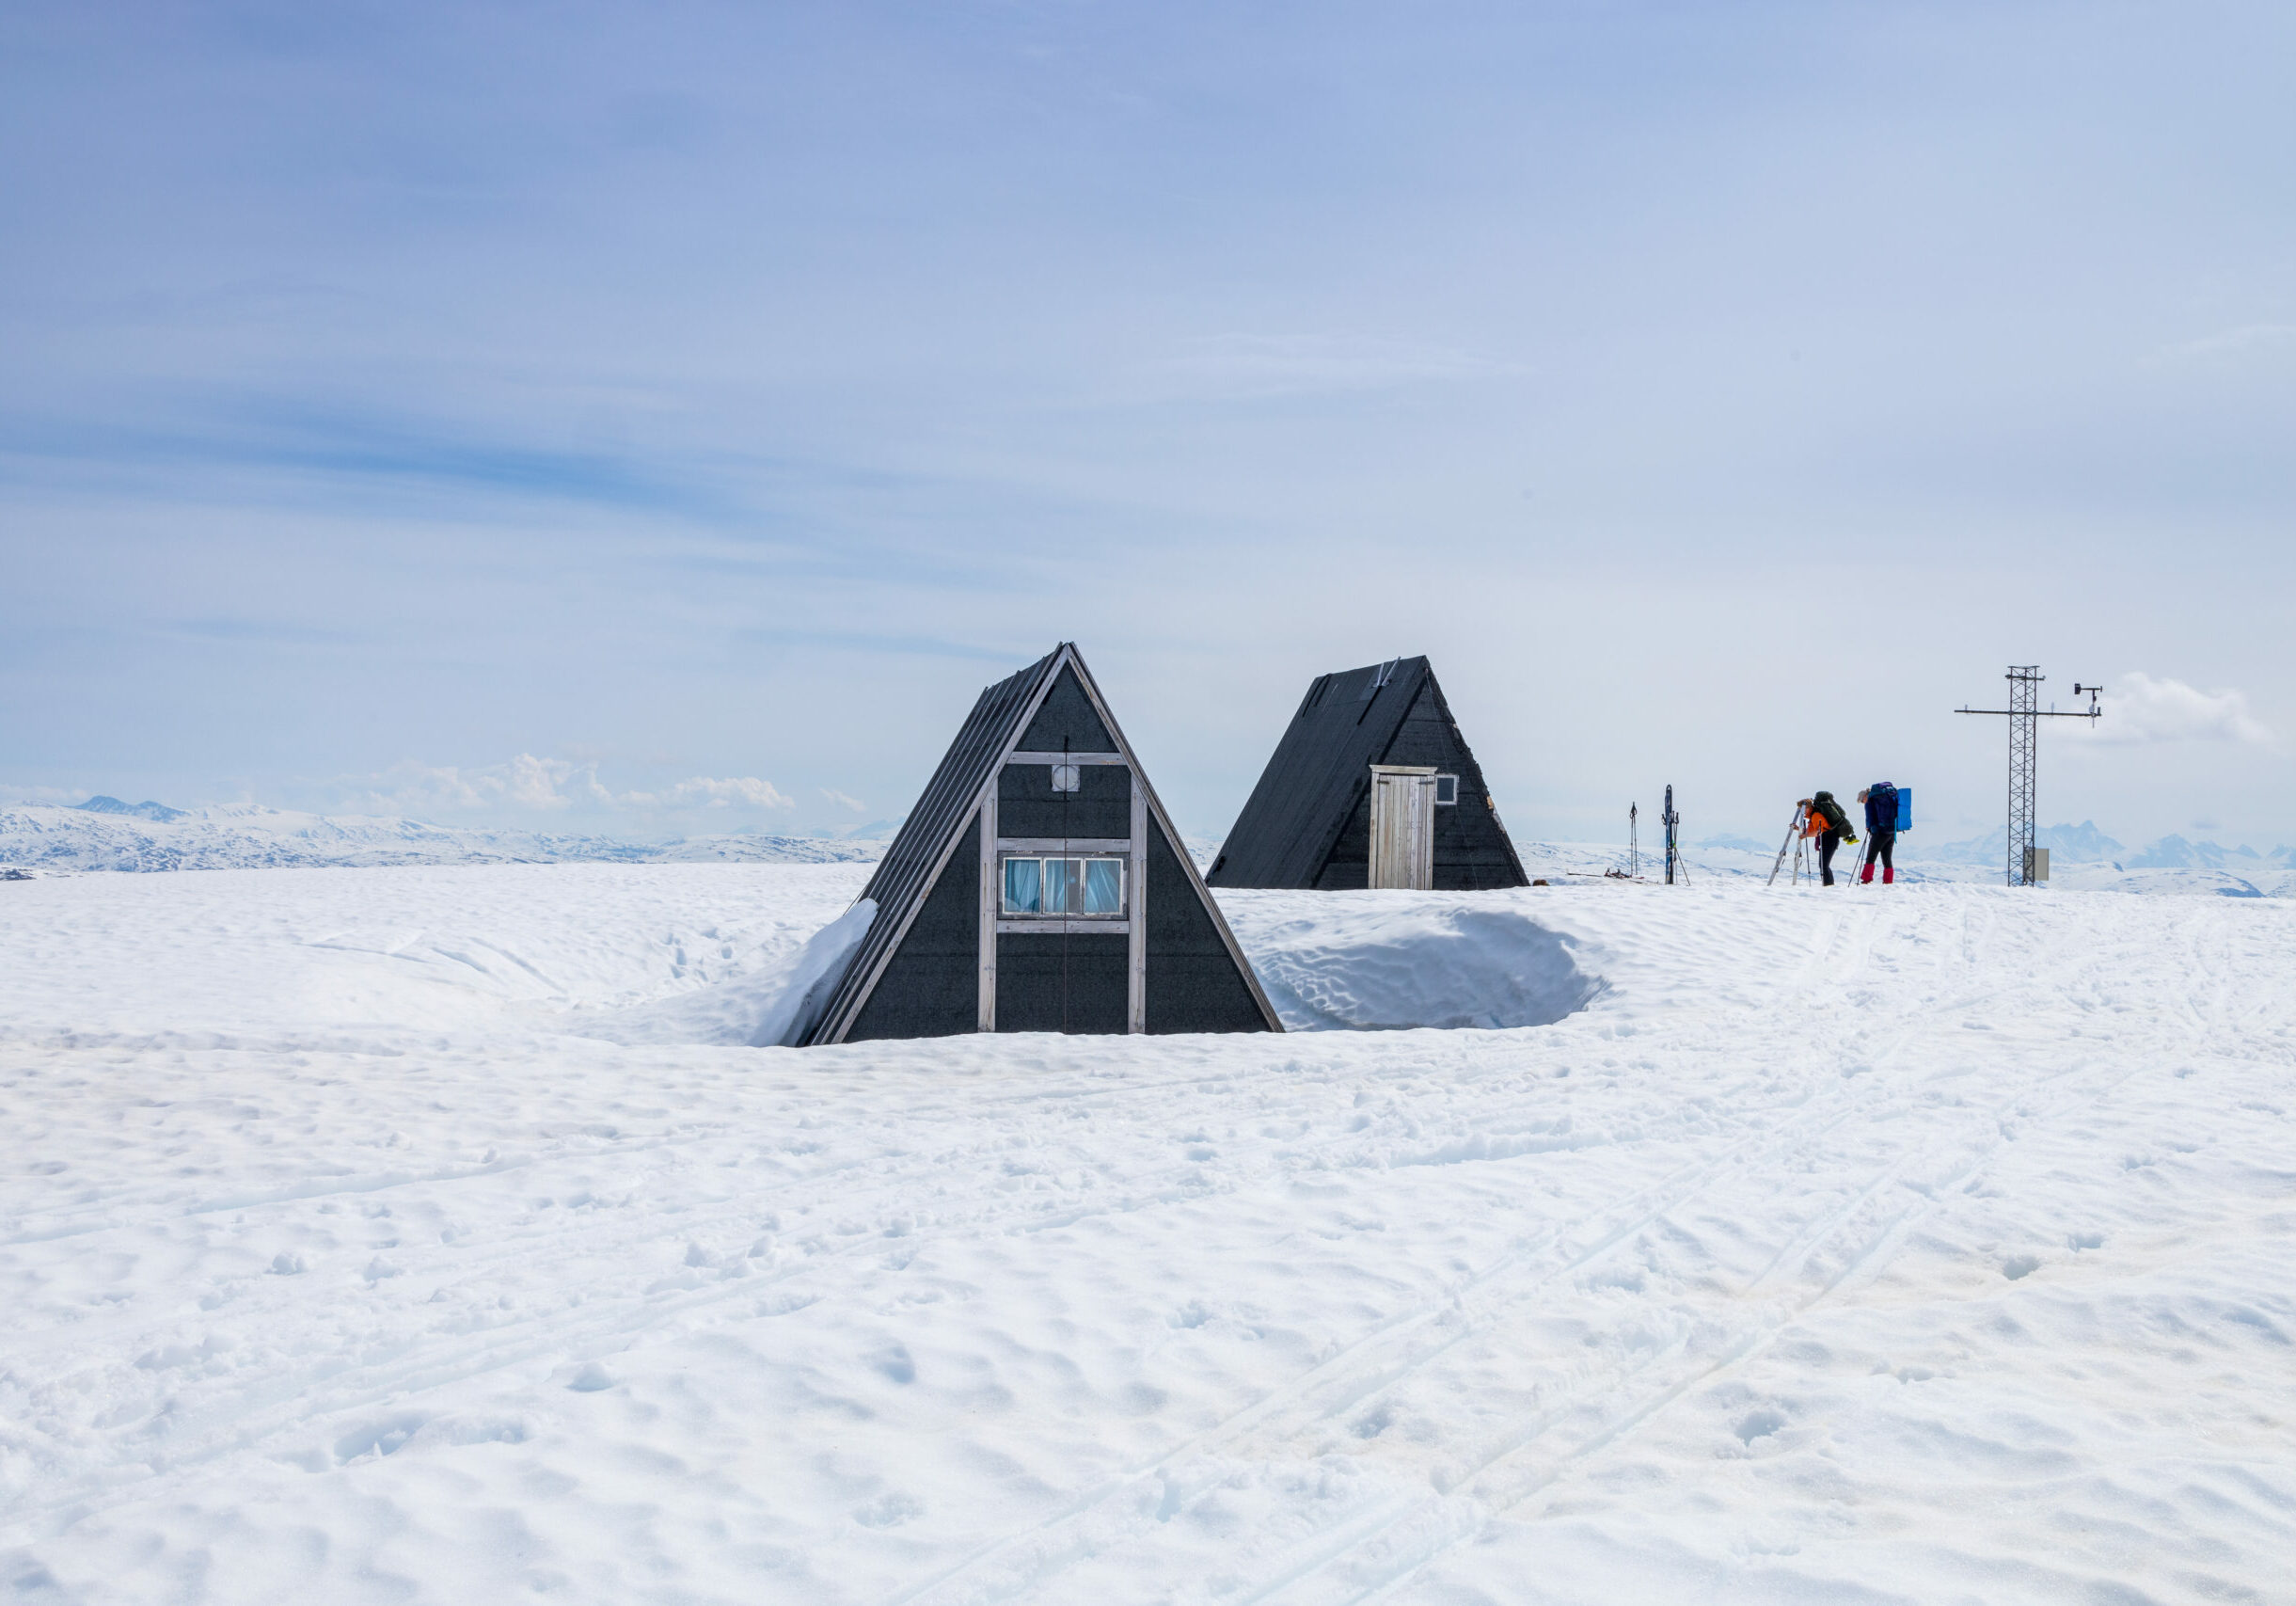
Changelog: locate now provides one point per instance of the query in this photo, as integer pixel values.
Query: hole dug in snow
(1759, 1425)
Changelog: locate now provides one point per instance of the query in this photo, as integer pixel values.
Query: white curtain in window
(1064, 888)
(1022, 886)
(1104, 886)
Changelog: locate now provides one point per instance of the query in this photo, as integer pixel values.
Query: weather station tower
(2029, 864)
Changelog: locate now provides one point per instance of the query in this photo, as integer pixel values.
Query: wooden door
(1402, 826)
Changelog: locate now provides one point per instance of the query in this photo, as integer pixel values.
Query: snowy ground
(1933, 1246)
(2254, 877)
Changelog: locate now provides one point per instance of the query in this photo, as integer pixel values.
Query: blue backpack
(1888, 808)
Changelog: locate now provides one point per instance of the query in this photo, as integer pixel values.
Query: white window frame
(1004, 902)
(1451, 782)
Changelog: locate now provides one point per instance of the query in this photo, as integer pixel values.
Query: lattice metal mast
(2025, 716)
(2025, 748)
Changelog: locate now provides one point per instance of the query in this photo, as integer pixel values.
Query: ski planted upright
(1670, 817)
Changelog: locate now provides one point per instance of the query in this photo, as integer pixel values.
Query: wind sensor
(2027, 864)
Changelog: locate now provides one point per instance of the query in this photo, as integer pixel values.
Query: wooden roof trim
(1172, 838)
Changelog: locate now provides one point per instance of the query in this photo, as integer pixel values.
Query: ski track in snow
(1929, 1244)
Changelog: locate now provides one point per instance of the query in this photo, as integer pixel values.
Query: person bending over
(1831, 826)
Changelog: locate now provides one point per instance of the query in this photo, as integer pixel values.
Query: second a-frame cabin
(1372, 786)
(1038, 885)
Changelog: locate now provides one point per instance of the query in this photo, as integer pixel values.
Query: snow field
(1931, 1247)
(79, 839)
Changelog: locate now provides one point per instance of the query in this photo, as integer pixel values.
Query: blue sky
(667, 417)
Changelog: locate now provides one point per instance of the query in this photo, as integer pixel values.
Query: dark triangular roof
(922, 844)
(1318, 777)
(1052, 706)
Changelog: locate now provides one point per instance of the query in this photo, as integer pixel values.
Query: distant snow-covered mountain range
(2083, 858)
(2086, 844)
(2081, 844)
(105, 834)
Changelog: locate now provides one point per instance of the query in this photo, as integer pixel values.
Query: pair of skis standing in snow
(1889, 809)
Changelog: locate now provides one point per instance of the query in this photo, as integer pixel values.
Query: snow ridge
(107, 834)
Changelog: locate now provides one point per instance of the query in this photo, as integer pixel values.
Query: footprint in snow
(1761, 1424)
(888, 1511)
(383, 1437)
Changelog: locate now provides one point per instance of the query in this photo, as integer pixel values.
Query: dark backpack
(1881, 807)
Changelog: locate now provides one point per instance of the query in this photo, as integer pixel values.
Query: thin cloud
(842, 801)
(522, 782)
(2140, 708)
(2238, 342)
(43, 796)
(550, 784)
(746, 791)
(305, 441)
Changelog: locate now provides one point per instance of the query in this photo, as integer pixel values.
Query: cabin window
(1446, 788)
(1067, 778)
(1064, 886)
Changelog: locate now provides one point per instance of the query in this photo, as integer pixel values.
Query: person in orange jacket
(1831, 826)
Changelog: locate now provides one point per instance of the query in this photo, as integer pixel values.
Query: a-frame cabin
(1372, 786)
(1038, 885)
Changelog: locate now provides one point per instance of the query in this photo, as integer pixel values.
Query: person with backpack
(1880, 801)
(1831, 826)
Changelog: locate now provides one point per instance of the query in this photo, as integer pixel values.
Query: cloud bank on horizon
(673, 403)
(2139, 709)
(529, 785)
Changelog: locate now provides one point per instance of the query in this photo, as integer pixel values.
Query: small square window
(1446, 788)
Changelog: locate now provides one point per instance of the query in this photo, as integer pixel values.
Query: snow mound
(1385, 961)
(353, 956)
(771, 1009)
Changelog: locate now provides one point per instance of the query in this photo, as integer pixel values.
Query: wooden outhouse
(1372, 786)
